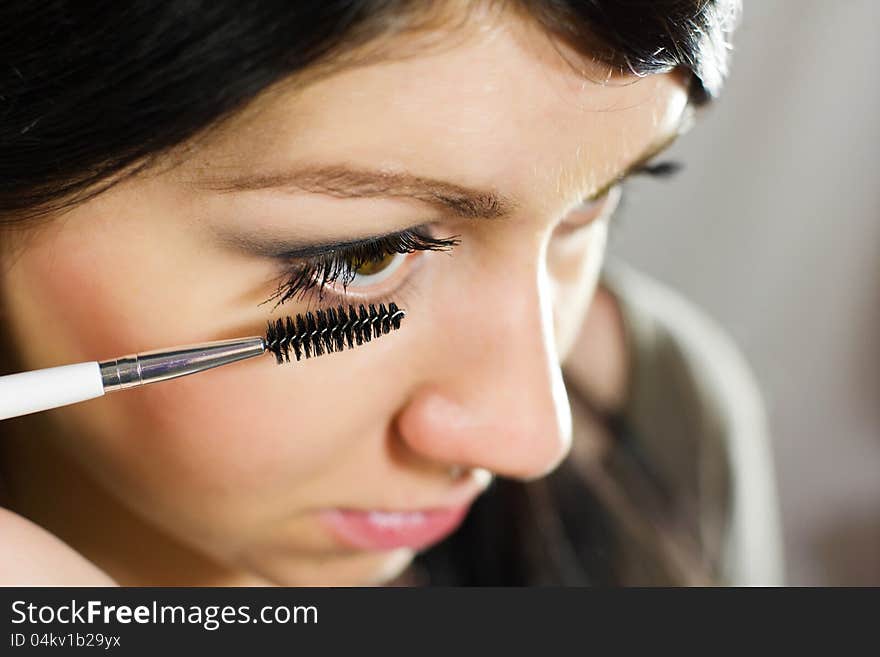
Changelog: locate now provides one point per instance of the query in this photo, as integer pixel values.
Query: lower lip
(380, 530)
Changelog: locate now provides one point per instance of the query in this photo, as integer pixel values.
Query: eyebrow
(344, 181)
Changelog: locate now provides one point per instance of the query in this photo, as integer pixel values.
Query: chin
(363, 568)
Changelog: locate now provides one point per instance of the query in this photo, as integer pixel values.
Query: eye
(366, 263)
(589, 211)
(372, 272)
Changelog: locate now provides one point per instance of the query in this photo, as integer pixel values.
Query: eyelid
(414, 237)
(309, 251)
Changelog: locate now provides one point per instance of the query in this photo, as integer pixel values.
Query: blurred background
(773, 227)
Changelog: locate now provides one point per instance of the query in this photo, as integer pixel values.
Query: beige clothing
(692, 471)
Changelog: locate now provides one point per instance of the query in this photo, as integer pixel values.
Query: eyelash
(311, 275)
(661, 169)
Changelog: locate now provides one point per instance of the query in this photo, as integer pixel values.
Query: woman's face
(238, 464)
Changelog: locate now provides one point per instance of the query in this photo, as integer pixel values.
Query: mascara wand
(315, 334)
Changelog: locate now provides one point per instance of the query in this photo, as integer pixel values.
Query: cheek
(95, 293)
(228, 452)
(74, 296)
(241, 440)
(233, 433)
(113, 278)
(239, 446)
(243, 427)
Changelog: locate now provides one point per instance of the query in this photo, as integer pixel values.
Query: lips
(386, 530)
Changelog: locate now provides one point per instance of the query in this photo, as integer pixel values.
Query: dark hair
(92, 92)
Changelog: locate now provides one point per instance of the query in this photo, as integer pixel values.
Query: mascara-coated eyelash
(308, 275)
(662, 169)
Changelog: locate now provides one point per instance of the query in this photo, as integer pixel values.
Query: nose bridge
(495, 398)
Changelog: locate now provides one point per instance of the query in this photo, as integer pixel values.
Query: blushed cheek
(64, 309)
(223, 448)
(233, 424)
(91, 294)
(224, 437)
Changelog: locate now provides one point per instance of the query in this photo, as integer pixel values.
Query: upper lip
(462, 498)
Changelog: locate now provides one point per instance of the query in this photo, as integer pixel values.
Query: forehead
(498, 105)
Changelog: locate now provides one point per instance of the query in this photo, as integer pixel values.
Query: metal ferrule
(164, 364)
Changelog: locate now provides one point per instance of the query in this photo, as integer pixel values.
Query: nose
(495, 398)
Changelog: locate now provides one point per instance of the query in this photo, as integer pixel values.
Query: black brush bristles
(330, 330)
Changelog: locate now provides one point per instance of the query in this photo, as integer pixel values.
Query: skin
(216, 478)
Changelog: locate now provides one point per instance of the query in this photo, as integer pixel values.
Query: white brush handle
(40, 390)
